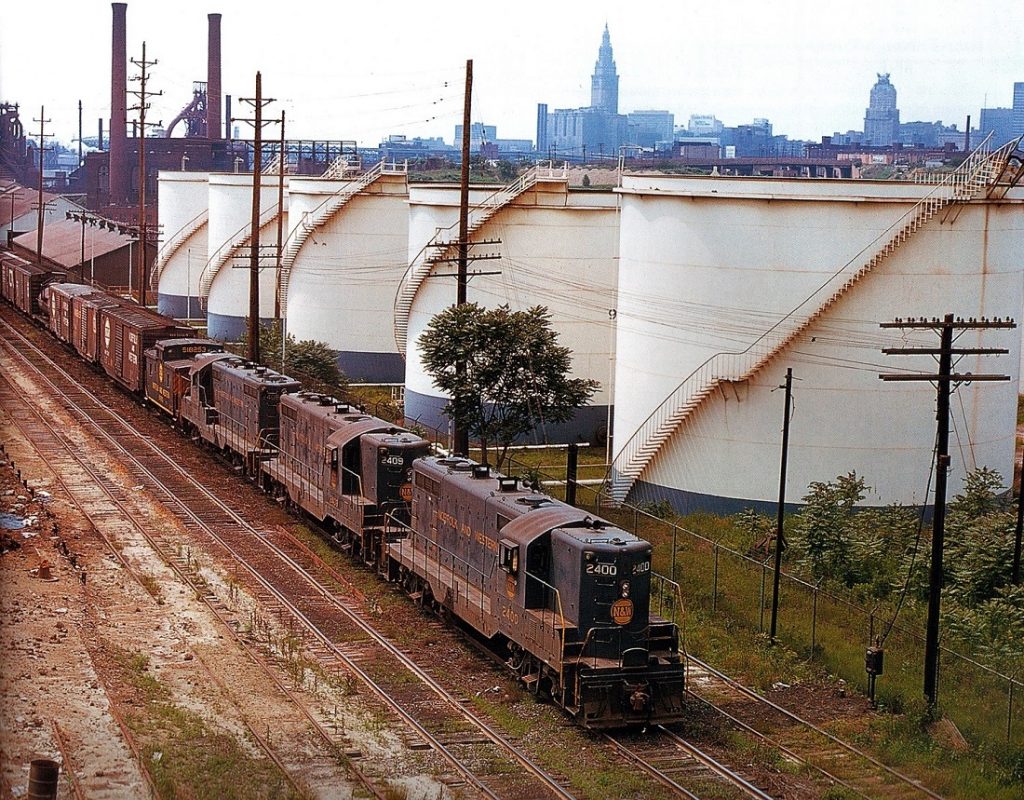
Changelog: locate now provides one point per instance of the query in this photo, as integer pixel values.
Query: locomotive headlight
(624, 586)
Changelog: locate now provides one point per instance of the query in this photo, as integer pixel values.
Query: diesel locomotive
(567, 598)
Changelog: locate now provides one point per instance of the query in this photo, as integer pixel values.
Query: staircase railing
(311, 220)
(171, 246)
(443, 243)
(220, 256)
(972, 176)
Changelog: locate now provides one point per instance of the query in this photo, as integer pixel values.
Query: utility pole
(278, 311)
(40, 205)
(79, 133)
(143, 96)
(461, 433)
(944, 380)
(1019, 529)
(253, 330)
(780, 539)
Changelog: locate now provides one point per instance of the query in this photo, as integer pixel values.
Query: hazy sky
(361, 71)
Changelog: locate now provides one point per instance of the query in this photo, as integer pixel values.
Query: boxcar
(168, 365)
(345, 467)
(24, 280)
(58, 298)
(126, 332)
(233, 404)
(85, 322)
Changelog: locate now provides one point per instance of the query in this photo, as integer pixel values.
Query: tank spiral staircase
(236, 242)
(443, 245)
(974, 176)
(314, 219)
(174, 244)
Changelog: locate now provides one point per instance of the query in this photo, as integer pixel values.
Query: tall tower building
(1018, 109)
(604, 84)
(882, 117)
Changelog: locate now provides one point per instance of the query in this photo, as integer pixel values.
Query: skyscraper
(595, 131)
(882, 117)
(1018, 109)
(604, 84)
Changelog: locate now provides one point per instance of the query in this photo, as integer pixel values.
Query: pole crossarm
(937, 351)
(955, 377)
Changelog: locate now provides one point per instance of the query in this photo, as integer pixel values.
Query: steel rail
(759, 698)
(491, 734)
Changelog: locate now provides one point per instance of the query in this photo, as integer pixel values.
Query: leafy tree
(514, 372)
(313, 363)
(823, 531)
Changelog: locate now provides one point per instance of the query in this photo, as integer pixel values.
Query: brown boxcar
(58, 299)
(24, 280)
(168, 365)
(85, 321)
(126, 332)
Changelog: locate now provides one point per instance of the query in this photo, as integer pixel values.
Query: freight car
(126, 332)
(566, 595)
(22, 282)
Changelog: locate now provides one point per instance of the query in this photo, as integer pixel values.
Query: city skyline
(809, 73)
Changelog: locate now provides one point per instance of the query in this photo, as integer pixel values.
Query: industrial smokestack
(99, 140)
(119, 174)
(213, 97)
(227, 116)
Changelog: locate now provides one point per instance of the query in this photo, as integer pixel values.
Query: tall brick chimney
(120, 175)
(213, 90)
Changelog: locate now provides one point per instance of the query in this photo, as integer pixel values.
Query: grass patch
(185, 755)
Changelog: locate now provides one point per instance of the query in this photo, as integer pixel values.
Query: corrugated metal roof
(25, 199)
(62, 242)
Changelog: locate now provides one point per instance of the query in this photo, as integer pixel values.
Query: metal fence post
(673, 572)
(636, 521)
(764, 577)
(814, 621)
(714, 586)
(1009, 713)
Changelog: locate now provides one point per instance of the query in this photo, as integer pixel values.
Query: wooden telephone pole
(143, 95)
(258, 123)
(944, 380)
(461, 432)
(40, 205)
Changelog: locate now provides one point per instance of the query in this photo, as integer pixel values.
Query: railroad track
(303, 592)
(682, 767)
(835, 761)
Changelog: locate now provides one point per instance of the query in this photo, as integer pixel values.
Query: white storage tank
(183, 207)
(341, 278)
(559, 248)
(771, 270)
(224, 282)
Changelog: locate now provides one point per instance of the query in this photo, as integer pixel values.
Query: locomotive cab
(386, 466)
(605, 576)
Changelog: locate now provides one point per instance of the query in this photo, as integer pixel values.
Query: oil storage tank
(342, 264)
(183, 217)
(724, 283)
(558, 248)
(224, 280)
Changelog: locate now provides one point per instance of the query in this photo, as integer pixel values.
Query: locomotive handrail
(560, 612)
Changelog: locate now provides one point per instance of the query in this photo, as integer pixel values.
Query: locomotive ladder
(977, 173)
(236, 242)
(311, 220)
(173, 244)
(443, 246)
